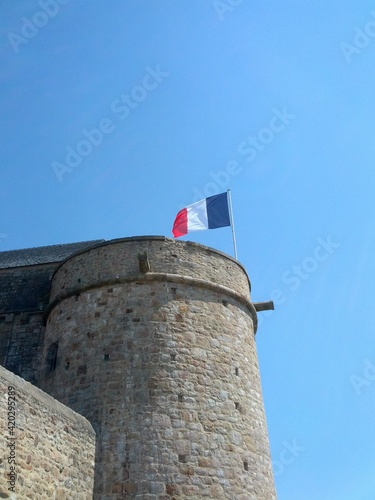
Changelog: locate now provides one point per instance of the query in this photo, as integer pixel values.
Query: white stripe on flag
(197, 216)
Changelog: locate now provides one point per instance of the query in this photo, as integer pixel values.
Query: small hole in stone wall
(129, 310)
(173, 357)
(225, 303)
(79, 280)
(237, 406)
(180, 398)
(110, 290)
(237, 371)
(182, 459)
(97, 314)
(246, 466)
(106, 357)
(67, 364)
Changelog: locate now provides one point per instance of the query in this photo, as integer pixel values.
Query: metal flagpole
(232, 223)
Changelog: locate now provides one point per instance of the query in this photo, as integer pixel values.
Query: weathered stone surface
(24, 294)
(163, 364)
(54, 446)
(118, 258)
(25, 279)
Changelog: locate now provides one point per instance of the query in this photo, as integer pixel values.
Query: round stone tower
(152, 340)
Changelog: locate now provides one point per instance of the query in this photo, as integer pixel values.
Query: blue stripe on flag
(218, 211)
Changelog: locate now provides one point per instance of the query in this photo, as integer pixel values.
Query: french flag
(210, 213)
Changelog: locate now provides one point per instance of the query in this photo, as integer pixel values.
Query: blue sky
(114, 115)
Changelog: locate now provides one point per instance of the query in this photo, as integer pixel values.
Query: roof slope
(42, 255)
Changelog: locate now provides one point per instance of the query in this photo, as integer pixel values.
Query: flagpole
(232, 223)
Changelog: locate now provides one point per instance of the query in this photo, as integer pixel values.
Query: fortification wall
(25, 279)
(24, 295)
(117, 259)
(159, 354)
(51, 448)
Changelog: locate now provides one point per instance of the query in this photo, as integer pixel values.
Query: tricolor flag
(210, 213)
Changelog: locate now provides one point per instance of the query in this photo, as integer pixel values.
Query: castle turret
(152, 340)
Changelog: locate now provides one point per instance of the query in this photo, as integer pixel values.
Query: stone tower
(152, 340)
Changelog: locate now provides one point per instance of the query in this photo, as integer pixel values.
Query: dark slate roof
(42, 255)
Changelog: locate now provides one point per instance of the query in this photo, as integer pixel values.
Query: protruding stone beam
(264, 306)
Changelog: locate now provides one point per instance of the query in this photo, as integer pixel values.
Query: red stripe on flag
(180, 226)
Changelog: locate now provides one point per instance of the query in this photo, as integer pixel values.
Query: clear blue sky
(274, 100)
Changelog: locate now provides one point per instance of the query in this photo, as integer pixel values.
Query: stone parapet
(51, 448)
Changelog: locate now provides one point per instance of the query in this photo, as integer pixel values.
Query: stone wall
(25, 281)
(52, 449)
(159, 355)
(118, 258)
(24, 289)
(21, 341)
(24, 295)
